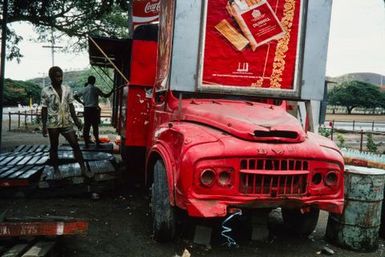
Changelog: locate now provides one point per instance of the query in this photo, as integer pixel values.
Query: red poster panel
(251, 43)
(145, 11)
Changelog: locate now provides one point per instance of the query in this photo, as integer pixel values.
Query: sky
(357, 37)
(356, 44)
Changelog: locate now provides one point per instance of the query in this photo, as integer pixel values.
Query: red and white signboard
(145, 11)
(251, 43)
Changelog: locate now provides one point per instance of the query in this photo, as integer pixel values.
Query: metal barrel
(358, 226)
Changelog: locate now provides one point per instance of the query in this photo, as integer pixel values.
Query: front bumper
(221, 208)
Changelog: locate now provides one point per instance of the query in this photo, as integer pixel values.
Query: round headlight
(207, 177)
(317, 178)
(224, 178)
(331, 178)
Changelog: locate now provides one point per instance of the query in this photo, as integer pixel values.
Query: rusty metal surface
(47, 228)
(358, 226)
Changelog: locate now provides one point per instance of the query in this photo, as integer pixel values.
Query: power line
(53, 47)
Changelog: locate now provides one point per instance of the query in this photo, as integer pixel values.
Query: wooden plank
(6, 160)
(15, 169)
(33, 148)
(3, 156)
(103, 166)
(65, 155)
(96, 156)
(40, 249)
(16, 160)
(43, 160)
(43, 148)
(25, 160)
(43, 228)
(65, 148)
(66, 171)
(32, 172)
(16, 250)
(34, 160)
(70, 170)
(3, 169)
(20, 173)
(19, 148)
(25, 148)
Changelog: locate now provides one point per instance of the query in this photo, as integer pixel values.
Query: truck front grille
(273, 177)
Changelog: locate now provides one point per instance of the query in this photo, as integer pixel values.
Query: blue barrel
(358, 226)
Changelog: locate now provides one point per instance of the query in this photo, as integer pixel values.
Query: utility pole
(52, 46)
(130, 22)
(2, 60)
(43, 75)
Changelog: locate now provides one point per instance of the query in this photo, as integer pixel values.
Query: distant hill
(372, 78)
(76, 80)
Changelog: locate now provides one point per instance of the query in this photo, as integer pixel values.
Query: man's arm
(77, 98)
(74, 117)
(44, 116)
(100, 92)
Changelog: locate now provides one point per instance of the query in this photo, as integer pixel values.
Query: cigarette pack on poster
(262, 21)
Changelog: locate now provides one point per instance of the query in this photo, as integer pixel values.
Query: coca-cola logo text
(152, 7)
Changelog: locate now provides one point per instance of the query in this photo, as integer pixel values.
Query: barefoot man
(57, 108)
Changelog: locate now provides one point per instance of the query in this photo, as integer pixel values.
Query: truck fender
(159, 152)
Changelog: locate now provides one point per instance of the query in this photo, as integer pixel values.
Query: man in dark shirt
(90, 94)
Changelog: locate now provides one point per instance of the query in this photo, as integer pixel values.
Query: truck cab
(207, 106)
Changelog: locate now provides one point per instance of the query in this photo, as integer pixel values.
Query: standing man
(90, 94)
(57, 108)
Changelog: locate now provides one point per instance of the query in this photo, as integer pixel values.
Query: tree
(370, 145)
(74, 18)
(354, 94)
(19, 92)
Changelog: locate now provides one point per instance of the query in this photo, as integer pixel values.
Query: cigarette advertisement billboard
(250, 44)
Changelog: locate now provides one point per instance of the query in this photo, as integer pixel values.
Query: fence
(25, 114)
(30, 117)
(353, 125)
(374, 131)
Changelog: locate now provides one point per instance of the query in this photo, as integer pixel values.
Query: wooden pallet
(28, 165)
(36, 236)
(36, 248)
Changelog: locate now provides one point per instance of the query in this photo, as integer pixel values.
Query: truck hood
(247, 120)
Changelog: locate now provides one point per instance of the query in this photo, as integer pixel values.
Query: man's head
(91, 80)
(56, 75)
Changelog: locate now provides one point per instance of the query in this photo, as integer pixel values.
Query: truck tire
(163, 212)
(301, 224)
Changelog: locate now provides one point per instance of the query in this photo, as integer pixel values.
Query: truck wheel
(163, 212)
(301, 224)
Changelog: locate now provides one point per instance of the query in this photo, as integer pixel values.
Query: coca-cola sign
(145, 11)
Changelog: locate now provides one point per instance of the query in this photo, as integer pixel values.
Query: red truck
(208, 100)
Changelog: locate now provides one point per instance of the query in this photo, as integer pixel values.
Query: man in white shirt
(57, 111)
(90, 94)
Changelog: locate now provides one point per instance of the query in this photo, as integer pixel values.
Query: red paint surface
(137, 116)
(197, 138)
(145, 11)
(143, 63)
(47, 228)
(266, 26)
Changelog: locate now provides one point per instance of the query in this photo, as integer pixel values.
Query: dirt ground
(120, 222)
